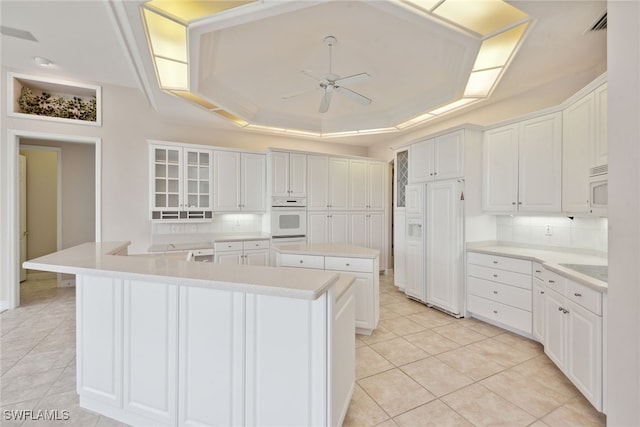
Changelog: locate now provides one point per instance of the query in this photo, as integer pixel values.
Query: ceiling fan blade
(324, 103)
(301, 92)
(356, 78)
(312, 75)
(360, 99)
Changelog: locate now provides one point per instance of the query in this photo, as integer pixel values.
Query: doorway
(10, 225)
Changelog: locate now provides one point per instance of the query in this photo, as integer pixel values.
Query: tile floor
(419, 368)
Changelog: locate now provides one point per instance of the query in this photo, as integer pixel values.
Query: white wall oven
(288, 217)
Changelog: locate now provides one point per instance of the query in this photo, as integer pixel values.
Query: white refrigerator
(435, 244)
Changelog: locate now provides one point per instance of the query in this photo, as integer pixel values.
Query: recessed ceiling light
(42, 61)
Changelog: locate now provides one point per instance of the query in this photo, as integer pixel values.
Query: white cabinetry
(539, 303)
(239, 182)
(437, 158)
(499, 291)
(578, 137)
(522, 166)
(327, 178)
(400, 178)
(327, 227)
(366, 229)
(180, 182)
(399, 248)
(366, 185)
(248, 252)
(288, 174)
(573, 334)
(599, 152)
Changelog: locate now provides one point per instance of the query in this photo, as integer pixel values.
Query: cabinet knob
(495, 311)
(495, 262)
(301, 261)
(578, 294)
(495, 275)
(431, 174)
(519, 203)
(541, 292)
(513, 203)
(552, 281)
(538, 271)
(560, 308)
(347, 264)
(495, 292)
(435, 173)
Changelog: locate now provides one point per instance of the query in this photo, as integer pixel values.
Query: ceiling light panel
(496, 51)
(172, 74)
(167, 37)
(456, 104)
(482, 16)
(481, 82)
(190, 10)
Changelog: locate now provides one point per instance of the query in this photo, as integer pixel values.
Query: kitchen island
(341, 258)
(162, 341)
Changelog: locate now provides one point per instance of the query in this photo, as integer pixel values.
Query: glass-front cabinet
(401, 178)
(180, 182)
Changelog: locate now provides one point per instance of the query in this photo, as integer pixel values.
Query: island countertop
(329, 249)
(109, 259)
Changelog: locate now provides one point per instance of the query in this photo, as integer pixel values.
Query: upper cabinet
(327, 178)
(180, 182)
(366, 185)
(522, 166)
(437, 158)
(288, 174)
(400, 178)
(599, 149)
(239, 182)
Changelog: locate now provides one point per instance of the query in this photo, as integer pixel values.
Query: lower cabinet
(248, 252)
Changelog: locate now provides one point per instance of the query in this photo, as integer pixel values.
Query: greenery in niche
(50, 105)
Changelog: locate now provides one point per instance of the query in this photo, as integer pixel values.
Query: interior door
(23, 215)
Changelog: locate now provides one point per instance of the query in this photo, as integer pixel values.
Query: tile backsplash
(556, 231)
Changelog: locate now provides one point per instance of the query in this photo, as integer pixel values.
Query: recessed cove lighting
(42, 61)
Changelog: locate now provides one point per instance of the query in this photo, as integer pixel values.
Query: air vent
(600, 24)
(599, 170)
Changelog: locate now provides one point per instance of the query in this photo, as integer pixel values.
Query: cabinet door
(500, 161)
(578, 135)
(150, 329)
(554, 328)
(415, 199)
(317, 227)
(376, 184)
(253, 194)
(318, 178)
(256, 257)
(211, 373)
(198, 178)
(539, 305)
(399, 250)
(279, 173)
(540, 164)
(376, 233)
(444, 246)
(338, 228)
(415, 286)
(400, 178)
(358, 173)
(358, 229)
(364, 300)
(226, 194)
(448, 156)
(230, 257)
(166, 177)
(338, 187)
(584, 352)
(297, 175)
(599, 153)
(421, 162)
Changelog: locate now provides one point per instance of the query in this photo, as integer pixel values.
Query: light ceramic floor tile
(521, 343)
(500, 352)
(387, 313)
(379, 334)
(483, 407)
(542, 370)
(363, 410)
(384, 389)
(469, 363)
(576, 412)
(432, 414)
(436, 376)
(401, 326)
(458, 333)
(368, 362)
(359, 342)
(406, 307)
(431, 342)
(398, 351)
(481, 327)
(431, 319)
(388, 423)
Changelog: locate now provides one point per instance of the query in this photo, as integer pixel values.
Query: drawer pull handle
(578, 294)
(495, 292)
(560, 309)
(541, 292)
(552, 281)
(538, 271)
(348, 264)
(495, 275)
(495, 311)
(495, 262)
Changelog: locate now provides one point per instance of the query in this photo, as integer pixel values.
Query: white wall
(623, 329)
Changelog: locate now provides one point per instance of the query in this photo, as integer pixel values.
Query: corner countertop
(110, 260)
(550, 258)
(330, 249)
(208, 243)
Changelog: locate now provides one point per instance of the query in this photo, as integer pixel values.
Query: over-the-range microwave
(598, 194)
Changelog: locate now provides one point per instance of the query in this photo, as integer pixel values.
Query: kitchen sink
(600, 272)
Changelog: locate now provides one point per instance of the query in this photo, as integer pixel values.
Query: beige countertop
(329, 249)
(209, 242)
(550, 259)
(100, 259)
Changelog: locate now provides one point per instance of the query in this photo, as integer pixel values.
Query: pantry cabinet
(366, 185)
(239, 182)
(523, 166)
(288, 174)
(327, 178)
(327, 227)
(437, 158)
(366, 229)
(180, 182)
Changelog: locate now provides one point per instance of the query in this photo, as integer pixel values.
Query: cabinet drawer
(202, 252)
(255, 244)
(554, 281)
(584, 296)
(502, 263)
(227, 246)
(362, 265)
(505, 314)
(508, 277)
(302, 261)
(509, 295)
(538, 271)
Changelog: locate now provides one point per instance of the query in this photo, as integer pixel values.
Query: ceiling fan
(331, 82)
